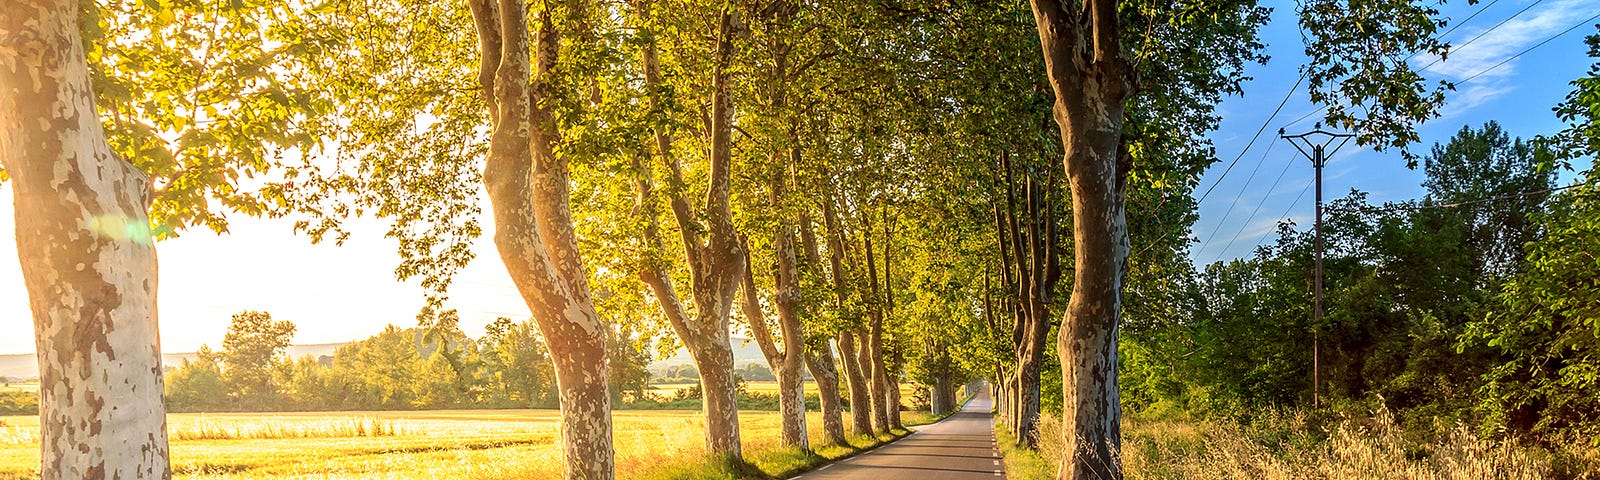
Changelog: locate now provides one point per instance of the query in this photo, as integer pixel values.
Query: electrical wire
(1242, 190)
(1253, 138)
(1253, 213)
(1453, 47)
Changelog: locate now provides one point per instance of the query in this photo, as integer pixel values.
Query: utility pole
(1317, 141)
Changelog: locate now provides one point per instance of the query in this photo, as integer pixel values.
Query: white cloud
(1483, 54)
(1473, 94)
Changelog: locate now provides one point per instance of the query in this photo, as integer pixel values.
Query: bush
(19, 403)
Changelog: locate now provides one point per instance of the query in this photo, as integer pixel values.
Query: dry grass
(1288, 447)
(270, 428)
(444, 444)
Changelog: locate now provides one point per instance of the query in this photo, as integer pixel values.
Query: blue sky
(336, 294)
(1518, 94)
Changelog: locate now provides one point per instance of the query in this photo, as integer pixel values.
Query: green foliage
(1360, 66)
(1545, 326)
(517, 368)
(14, 402)
(201, 95)
(1445, 310)
(254, 343)
(1581, 111)
(397, 369)
(197, 385)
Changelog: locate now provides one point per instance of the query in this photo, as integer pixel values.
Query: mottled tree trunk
(527, 184)
(894, 402)
(1029, 251)
(849, 355)
(818, 353)
(1026, 404)
(720, 396)
(83, 238)
(874, 358)
(714, 253)
(787, 361)
(819, 359)
(942, 395)
(860, 396)
(1091, 78)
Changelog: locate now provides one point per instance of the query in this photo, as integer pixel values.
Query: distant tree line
(686, 373)
(431, 366)
(16, 402)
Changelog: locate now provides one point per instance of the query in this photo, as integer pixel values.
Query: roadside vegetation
(1281, 445)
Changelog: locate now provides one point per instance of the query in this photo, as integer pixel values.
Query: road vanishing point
(961, 447)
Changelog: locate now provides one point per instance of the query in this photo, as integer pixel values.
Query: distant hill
(25, 365)
(744, 351)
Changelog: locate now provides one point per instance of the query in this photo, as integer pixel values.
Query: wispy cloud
(1482, 55)
(1473, 94)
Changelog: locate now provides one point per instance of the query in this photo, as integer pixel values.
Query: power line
(1453, 47)
(1485, 32)
(1463, 22)
(1253, 138)
(1253, 213)
(1242, 189)
(1281, 218)
(1529, 49)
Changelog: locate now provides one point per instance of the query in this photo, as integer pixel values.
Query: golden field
(769, 388)
(437, 444)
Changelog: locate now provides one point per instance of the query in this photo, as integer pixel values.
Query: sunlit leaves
(201, 96)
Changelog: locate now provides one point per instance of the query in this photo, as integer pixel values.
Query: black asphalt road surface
(962, 447)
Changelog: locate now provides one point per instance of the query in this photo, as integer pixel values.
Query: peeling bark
(715, 253)
(1031, 270)
(872, 350)
(88, 261)
(818, 353)
(860, 403)
(819, 359)
(527, 185)
(787, 361)
(1092, 78)
(860, 398)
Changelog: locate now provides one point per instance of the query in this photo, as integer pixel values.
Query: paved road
(961, 447)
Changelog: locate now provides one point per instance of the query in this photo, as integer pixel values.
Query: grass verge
(764, 460)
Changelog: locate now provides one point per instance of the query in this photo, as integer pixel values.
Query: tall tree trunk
(1028, 250)
(893, 377)
(83, 238)
(818, 353)
(527, 185)
(720, 395)
(819, 359)
(716, 262)
(1091, 77)
(874, 345)
(947, 393)
(855, 371)
(860, 398)
(936, 404)
(894, 402)
(787, 362)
